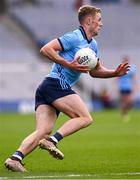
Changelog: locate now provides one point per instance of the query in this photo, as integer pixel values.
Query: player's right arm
(51, 50)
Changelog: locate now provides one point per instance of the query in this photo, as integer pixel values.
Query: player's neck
(89, 35)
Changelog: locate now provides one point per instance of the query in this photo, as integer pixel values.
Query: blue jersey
(126, 81)
(71, 42)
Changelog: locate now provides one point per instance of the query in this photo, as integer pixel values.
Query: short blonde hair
(87, 10)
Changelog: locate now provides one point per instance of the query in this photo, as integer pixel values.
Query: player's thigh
(45, 118)
(129, 98)
(123, 98)
(72, 105)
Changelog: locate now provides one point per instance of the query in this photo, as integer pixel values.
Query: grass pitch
(108, 149)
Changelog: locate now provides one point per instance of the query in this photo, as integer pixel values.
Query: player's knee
(86, 119)
(43, 133)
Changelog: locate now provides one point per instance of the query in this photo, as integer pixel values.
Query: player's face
(96, 24)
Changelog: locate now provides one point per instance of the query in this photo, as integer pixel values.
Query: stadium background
(109, 149)
(26, 25)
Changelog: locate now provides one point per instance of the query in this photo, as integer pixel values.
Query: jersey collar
(84, 34)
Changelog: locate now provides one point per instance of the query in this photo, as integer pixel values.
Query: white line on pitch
(72, 175)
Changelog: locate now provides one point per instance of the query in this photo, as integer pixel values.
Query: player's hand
(122, 69)
(74, 65)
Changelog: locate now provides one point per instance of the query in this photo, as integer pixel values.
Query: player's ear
(89, 20)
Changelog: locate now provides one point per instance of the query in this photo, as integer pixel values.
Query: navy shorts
(50, 90)
(125, 91)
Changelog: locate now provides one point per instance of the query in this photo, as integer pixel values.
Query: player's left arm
(102, 72)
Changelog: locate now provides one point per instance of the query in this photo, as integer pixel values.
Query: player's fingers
(82, 66)
(127, 68)
(119, 65)
(76, 59)
(125, 64)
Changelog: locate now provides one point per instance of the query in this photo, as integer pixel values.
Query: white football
(87, 57)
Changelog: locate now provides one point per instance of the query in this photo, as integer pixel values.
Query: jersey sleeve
(68, 41)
